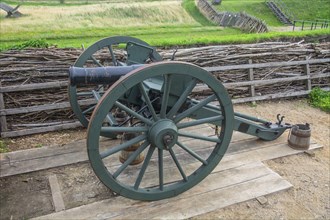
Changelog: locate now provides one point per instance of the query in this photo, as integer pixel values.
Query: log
(9, 134)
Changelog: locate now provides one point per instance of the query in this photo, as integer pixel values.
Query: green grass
(303, 10)
(256, 8)
(320, 99)
(190, 38)
(309, 10)
(160, 23)
(3, 146)
(190, 7)
(70, 2)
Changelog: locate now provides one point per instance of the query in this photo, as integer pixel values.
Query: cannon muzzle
(98, 75)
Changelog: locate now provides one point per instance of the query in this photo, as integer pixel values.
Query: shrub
(40, 43)
(320, 99)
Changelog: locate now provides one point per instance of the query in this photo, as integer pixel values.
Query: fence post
(294, 25)
(3, 121)
(302, 25)
(252, 88)
(307, 72)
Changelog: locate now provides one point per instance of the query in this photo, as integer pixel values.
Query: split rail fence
(33, 82)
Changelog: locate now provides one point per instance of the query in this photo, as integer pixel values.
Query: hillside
(160, 23)
(309, 10)
(303, 10)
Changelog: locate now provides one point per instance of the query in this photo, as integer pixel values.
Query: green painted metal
(177, 164)
(138, 51)
(247, 124)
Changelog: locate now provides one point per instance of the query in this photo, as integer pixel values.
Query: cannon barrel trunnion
(167, 138)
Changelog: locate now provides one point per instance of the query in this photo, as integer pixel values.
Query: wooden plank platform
(219, 189)
(239, 177)
(30, 160)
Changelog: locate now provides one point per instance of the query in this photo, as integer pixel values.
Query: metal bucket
(299, 137)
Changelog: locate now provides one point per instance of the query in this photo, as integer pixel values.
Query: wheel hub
(163, 134)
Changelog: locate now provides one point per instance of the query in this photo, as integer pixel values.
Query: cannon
(151, 135)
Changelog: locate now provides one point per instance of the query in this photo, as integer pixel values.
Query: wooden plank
(30, 160)
(262, 154)
(207, 201)
(45, 107)
(277, 80)
(56, 193)
(270, 96)
(24, 161)
(39, 130)
(308, 73)
(266, 65)
(251, 78)
(34, 86)
(265, 82)
(3, 120)
(35, 159)
(216, 191)
(273, 96)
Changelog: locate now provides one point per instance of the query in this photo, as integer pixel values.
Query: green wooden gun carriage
(165, 138)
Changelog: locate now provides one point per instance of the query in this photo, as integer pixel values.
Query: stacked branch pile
(34, 82)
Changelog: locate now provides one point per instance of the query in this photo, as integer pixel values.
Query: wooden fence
(251, 83)
(240, 20)
(310, 25)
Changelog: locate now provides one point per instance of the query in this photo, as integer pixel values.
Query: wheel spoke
(194, 108)
(178, 165)
(89, 109)
(192, 153)
(109, 118)
(182, 99)
(90, 93)
(160, 169)
(113, 57)
(200, 121)
(148, 102)
(130, 159)
(122, 146)
(96, 62)
(107, 130)
(200, 137)
(166, 92)
(84, 94)
(133, 113)
(144, 167)
(100, 89)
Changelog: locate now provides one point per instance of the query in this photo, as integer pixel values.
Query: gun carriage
(166, 138)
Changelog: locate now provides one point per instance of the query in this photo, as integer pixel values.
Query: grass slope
(257, 8)
(303, 10)
(161, 22)
(309, 10)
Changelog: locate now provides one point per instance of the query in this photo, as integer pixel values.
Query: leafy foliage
(320, 99)
(39, 43)
(3, 147)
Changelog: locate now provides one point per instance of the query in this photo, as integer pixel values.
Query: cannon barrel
(98, 75)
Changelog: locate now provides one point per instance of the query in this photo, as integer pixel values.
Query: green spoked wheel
(182, 137)
(112, 51)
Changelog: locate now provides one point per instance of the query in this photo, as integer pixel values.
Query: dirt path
(309, 174)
